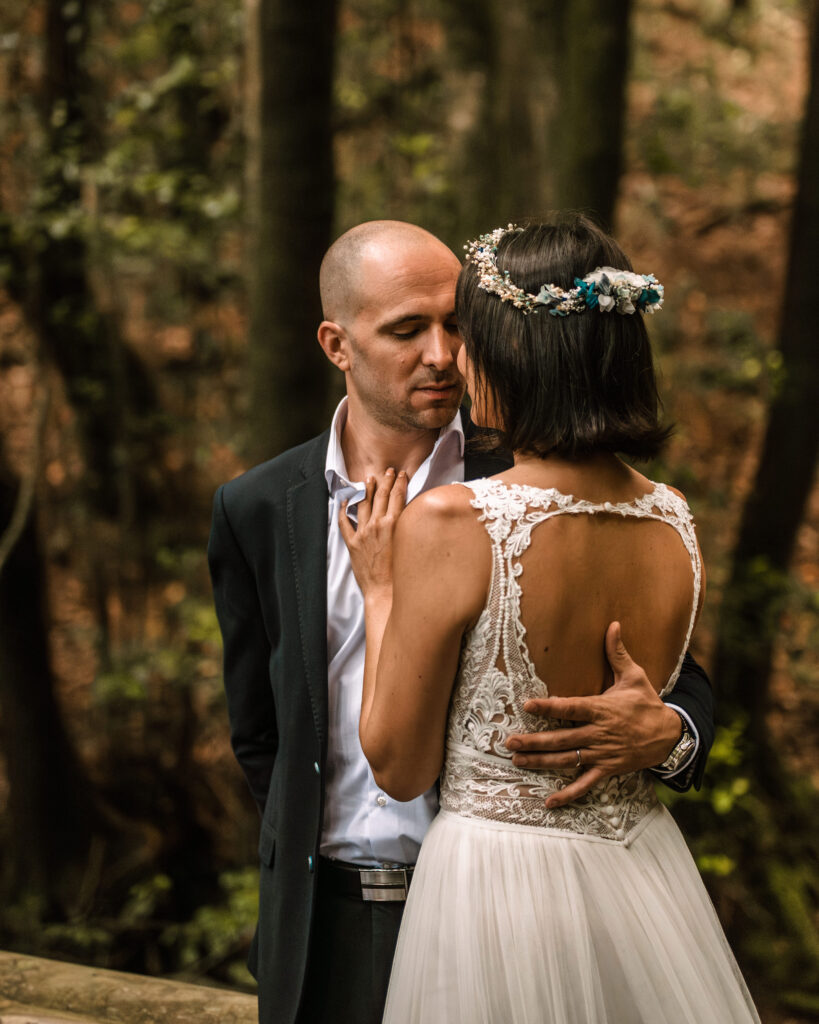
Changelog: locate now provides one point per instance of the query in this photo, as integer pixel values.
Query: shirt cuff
(686, 764)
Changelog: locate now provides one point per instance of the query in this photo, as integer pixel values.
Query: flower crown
(605, 288)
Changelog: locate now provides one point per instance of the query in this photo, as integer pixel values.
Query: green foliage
(391, 108)
(757, 857)
(695, 132)
(168, 181)
(148, 677)
(157, 179)
(145, 899)
(736, 358)
(220, 932)
(753, 606)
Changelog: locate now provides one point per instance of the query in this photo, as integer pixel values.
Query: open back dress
(592, 913)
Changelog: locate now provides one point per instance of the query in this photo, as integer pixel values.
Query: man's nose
(440, 348)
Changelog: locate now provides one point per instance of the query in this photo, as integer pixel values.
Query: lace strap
(501, 506)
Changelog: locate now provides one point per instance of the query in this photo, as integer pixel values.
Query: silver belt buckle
(384, 885)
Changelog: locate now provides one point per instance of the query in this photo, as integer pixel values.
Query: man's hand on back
(625, 729)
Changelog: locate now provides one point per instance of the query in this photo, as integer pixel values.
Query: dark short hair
(564, 385)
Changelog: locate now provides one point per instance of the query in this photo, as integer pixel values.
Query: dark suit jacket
(268, 562)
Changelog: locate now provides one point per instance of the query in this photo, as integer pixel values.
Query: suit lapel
(307, 535)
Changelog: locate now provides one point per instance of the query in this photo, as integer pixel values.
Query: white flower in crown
(605, 288)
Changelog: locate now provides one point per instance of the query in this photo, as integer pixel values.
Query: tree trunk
(507, 51)
(775, 508)
(588, 150)
(290, 199)
(51, 810)
(547, 133)
(106, 384)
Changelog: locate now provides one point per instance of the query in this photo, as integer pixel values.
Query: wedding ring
(579, 759)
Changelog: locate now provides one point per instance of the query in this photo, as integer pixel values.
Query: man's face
(403, 342)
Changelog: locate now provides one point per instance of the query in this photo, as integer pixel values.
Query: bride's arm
(414, 626)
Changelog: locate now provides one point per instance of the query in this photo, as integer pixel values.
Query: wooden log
(42, 991)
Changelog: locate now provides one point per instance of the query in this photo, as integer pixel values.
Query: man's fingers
(619, 658)
(569, 709)
(576, 789)
(554, 741)
(398, 495)
(552, 762)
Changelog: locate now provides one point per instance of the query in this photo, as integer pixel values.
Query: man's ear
(333, 339)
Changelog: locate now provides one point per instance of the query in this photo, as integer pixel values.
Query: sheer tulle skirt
(507, 924)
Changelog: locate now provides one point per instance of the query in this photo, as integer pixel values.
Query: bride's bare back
(582, 570)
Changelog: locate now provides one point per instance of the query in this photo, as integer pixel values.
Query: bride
(481, 596)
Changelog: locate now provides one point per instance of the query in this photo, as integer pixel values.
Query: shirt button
(381, 800)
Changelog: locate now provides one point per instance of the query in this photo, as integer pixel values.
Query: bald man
(337, 853)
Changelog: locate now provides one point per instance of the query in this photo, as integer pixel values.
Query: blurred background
(171, 172)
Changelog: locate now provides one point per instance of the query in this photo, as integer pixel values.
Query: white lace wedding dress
(592, 913)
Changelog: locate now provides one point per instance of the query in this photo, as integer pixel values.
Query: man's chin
(439, 415)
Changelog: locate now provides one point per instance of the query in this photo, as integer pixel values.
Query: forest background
(170, 173)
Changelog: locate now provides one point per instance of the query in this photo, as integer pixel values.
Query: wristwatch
(680, 751)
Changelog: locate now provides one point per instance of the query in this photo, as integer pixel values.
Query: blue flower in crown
(551, 296)
(586, 292)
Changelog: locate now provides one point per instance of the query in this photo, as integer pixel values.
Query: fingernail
(529, 706)
(520, 761)
(390, 470)
(403, 474)
(550, 804)
(513, 744)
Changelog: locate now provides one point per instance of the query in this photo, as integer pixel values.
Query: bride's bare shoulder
(445, 510)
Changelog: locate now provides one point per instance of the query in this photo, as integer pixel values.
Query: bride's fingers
(345, 526)
(382, 494)
(398, 495)
(365, 506)
(576, 789)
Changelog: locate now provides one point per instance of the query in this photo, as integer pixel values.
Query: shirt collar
(335, 468)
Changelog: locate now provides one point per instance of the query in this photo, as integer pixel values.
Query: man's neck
(370, 447)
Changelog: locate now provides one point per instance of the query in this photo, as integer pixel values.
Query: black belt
(383, 885)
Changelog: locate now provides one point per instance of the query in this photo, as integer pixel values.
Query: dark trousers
(351, 951)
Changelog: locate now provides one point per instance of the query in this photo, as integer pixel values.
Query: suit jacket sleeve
(694, 695)
(251, 709)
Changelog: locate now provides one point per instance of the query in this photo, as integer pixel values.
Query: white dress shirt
(362, 825)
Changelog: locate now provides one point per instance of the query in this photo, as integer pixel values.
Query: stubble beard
(403, 417)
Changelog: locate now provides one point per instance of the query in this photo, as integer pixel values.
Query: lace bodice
(496, 675)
